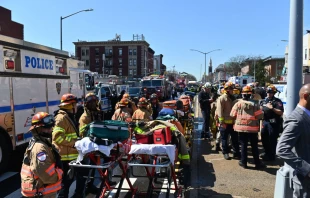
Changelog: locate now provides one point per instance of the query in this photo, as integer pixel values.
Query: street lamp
(61, 18)
(205, 53)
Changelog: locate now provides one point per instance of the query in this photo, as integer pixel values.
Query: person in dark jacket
(205, 106)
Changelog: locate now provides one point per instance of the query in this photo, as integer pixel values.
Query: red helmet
(229, 85)
(68, 99)
(123, 102)
(142, 102)
(43, 119)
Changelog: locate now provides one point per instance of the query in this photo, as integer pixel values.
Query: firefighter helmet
(67, 99)
(126, 95)
(208, 85)
(154, 96)
(142, 102)
(229, 85)
(271, 89)
(42, 119)
(123, 102)
(90, 97)
(247, 90)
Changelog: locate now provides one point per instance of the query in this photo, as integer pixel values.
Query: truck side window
(89, 82)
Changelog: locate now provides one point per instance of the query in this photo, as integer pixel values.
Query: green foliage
(260, 72)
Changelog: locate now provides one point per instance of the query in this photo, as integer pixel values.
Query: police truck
(32, 79)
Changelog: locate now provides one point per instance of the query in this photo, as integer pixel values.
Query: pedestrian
(65, 134)
(272, 123)
(41, 172)
(142, 113)
(205, 105)
(293, 146)
(247, 113)
(259, 90)
(224, 105)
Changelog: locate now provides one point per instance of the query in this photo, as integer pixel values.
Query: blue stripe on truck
(5, 109)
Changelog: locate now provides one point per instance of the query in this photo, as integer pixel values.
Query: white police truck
(32, 79)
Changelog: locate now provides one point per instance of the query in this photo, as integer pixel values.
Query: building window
(87, 62)
(83, 52)
(97, 51)
(120, 61)
(120, 72)
(134, 72)
(306, 50)
(130, 62)
(106, 71)
(97, 61)
(134, 62)
(86, 52)
(130, 51)
(110, 51)
(110, 62)
(120, 51)
(134, 52)
(130, 72)
(97, 69)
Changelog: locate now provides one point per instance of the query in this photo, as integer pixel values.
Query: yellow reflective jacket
(65, 136)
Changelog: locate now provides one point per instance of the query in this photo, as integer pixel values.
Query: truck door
(104, 101)
(29, 96)
(55, 89)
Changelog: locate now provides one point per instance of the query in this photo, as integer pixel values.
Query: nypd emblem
(41, 156)
(58, 87)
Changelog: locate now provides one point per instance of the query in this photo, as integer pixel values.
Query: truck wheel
(5, 151)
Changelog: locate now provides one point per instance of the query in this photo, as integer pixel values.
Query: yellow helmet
(247, 90)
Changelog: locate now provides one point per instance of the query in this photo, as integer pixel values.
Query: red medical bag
(162, 136)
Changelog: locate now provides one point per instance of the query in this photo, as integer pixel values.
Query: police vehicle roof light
(10, 53)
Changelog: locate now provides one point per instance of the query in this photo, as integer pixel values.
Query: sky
(171, 27)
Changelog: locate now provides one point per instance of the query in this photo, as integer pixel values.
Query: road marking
(7, 175)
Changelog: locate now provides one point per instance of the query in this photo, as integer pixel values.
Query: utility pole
(294, 83)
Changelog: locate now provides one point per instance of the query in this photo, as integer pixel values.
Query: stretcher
(158, 161)
(105, 155)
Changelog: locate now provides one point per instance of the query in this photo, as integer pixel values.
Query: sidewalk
(213, 176)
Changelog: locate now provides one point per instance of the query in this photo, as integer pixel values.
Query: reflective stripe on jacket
(65, 136)
(39, 173)
(247, 114)
(223, 107)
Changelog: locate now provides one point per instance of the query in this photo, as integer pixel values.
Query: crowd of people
(46, 172)
(235, 116)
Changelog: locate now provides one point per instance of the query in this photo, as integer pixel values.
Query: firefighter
(272, 123)
(131, 105)
(224, 105)
(65, 134)
(41, 171)
(205, 105)
(91, 112)
(247, 113)
(255, 96)
(123, 112)
(142, 113)
(155, 106)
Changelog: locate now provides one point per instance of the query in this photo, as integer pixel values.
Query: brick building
(8, 27)
(122, 58)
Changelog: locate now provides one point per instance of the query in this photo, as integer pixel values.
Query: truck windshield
(134, 90)
(146, 83)
(157, 83)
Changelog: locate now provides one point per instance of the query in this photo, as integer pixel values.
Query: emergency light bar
(10, 53)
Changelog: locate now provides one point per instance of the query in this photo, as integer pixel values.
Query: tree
(233, 67)
(191, 77)
(260, 72)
